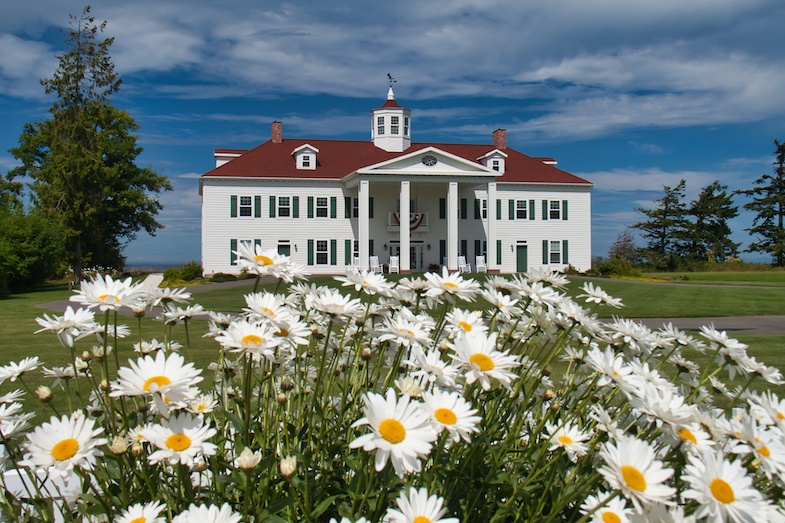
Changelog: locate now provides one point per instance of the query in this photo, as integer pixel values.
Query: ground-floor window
(322, 252)
(555, 252)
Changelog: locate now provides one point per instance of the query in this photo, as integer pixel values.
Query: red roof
(339, 158)
(390, 103)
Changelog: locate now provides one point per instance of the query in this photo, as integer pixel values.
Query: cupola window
(380, 125)
(394, 124)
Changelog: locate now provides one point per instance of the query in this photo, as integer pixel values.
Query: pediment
(430, 161)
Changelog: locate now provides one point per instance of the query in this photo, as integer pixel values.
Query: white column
(491, 260)
(405, 234)
(363, 227)
(452, 226)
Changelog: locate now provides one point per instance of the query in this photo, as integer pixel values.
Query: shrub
(189, 272)
(222, 276)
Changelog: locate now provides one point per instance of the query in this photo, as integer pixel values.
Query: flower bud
(104, 385)
(366, 354)
(137, 449)
(199, 466)
(44, 394)
(86, 356)
(287, 385)
(247, 460)
(288, 466)
(119, 445)
(281, 398)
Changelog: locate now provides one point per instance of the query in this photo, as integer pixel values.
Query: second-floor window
(321, 207)
(284, 206)
(555, 210)
(246, 206)
(520, 210)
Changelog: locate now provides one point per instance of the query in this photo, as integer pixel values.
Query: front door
(416, 255)
(521, 258)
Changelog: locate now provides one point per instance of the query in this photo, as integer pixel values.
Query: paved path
(735, 325)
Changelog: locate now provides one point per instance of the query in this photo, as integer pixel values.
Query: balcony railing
(418, 221)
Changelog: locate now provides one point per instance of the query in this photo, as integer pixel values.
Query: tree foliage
(82, 159)
(666, 224)
(768, 202)
(708, 232)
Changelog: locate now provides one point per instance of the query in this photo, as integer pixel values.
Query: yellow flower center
(365, 282)
(780, 415)
(721, 491)
(465, 326)
(282, 333)
(65, 449)
(159, 382)
(633, 478)
(481, 360)
(263, 260)
(178, 442)
(610, 517)
(450, 285)
(268, 311)
(392, 430)
(445, 416)
(421, 519)
(252, 339)
(107, 297)
(686, 435)
(139, 520)
(565, 439)
(764, 451)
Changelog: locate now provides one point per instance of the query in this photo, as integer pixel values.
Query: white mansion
(333, 203)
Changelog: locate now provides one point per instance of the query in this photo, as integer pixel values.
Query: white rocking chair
(393, 267)
(480, 262)
(462, 265)
(376, 267)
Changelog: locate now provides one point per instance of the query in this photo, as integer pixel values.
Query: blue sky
(630, 95)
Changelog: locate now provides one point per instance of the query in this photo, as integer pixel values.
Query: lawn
(759, 278)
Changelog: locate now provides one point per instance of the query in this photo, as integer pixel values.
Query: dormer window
(494, 160)
(496, 165)
(406, 126)
(305, 156)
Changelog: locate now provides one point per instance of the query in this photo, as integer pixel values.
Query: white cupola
(391, 125)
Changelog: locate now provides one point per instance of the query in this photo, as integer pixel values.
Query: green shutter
(477, 209)
(545, 252)
(333, 208)
(272, 206)
(333, 252)
(347, 252)
(257, 206)
(442, 250)
(310, 206)
(565, 258)
(232, 248)
(564, 209)
(545, 209)
(370, 208)
(347, 206)
(498, 252)
(531, 209)
(511, 208)
(233, 203)
(477, 248)
(464, 247)
(310, 252)
(464, 208)
(370, 247)
(256, 242)
(295, 206)
(498, 209)
(442, 208)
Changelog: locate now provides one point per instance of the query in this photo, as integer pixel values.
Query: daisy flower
(333, 303)
(203, 404)
(107, 294)
(174, 314)
(722, 488)
(631, 466)
(251, 338)
(418, 507)
(401, 432)
(598, 296)
(405, 332)
(450, 411)
(180, 439)
(62, 444)
(71, 326)
(429, 365)
(451, 286)
(165, 378)
(613, 510)
(13, 370)
(465, 323)
(165, 295)
(257, 261)
(347, 520)
(248, 459)
(368, 282)
(208, 514)
(691, 436)
(266, 306)
(545, 275)
(568, 437)
(482, 361)
(139, 513)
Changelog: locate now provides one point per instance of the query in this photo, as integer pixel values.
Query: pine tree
(82, 159)
(665, 229)
(768, 202)
(708, 232)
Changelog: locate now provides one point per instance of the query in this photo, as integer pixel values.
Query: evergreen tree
(768, 202)
(82, 159)
(708, 231)
(665, 230)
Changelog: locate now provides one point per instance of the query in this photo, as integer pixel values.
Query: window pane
(520, 209)
(283, 206)
(321, 207)
(555, 208)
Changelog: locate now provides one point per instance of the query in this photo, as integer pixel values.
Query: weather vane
(390, 79)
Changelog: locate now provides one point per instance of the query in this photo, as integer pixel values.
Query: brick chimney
(277, 132)
(500, 139)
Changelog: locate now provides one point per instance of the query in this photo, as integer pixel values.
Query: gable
(429, 161)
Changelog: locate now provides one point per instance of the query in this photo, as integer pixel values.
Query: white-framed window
(554, 210)
(484, 209)
(246, 206)
(555, 252)
(284, 247)
(380, 125)
(306, 160)
(356, 248)
(496, 165)
(521, 211)
(394, 124)
(284, 206)
(355, 209)
(321, 207)
(406, 126)
(322, 252)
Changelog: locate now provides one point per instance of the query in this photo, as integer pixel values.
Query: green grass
(757, 278)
